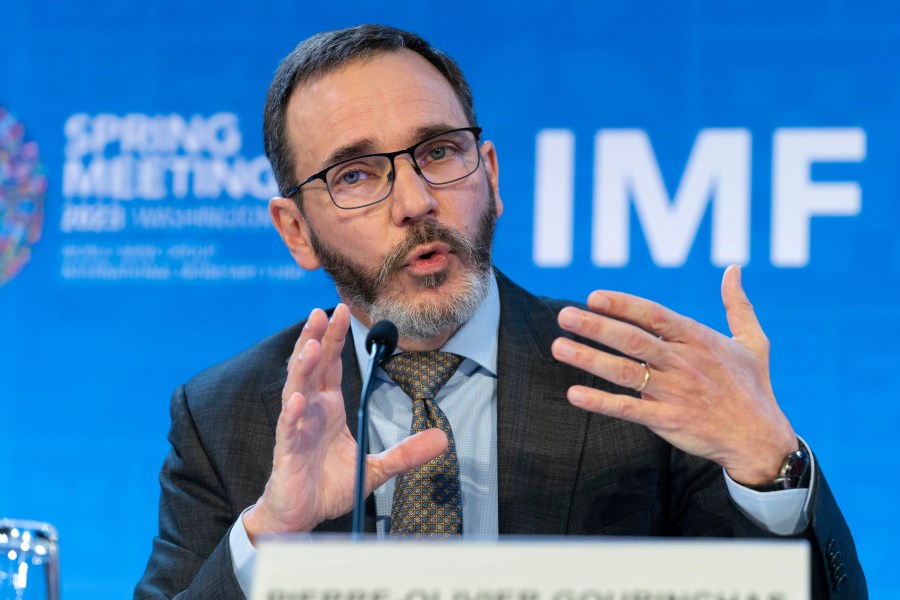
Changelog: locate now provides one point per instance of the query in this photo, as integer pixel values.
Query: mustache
(426, 232)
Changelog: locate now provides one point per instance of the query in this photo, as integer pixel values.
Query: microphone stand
(381, 342)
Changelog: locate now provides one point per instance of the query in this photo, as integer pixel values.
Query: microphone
(385, 334)
(380, 343)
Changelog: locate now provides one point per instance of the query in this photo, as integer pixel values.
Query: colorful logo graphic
(22, 188)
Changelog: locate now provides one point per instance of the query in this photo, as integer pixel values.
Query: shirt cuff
(783, 512)
(243, 554)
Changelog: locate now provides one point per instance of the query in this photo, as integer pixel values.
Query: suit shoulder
(557, 304)
(513, 292)
(255, 368)
(520, 302)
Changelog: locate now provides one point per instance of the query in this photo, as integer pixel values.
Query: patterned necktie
(426, 499)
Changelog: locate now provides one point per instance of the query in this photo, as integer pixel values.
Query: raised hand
(704, 393)
(314, 459)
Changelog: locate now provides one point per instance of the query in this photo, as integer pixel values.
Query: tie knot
(421, 374)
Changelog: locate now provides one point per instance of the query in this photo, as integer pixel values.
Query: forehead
(381, 101)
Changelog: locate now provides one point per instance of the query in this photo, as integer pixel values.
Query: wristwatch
(794, 473)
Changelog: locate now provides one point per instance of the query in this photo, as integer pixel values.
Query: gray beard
(365, 289)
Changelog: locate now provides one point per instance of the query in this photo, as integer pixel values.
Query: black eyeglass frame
(391, 156)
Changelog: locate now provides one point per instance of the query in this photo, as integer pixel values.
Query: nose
(411, 199)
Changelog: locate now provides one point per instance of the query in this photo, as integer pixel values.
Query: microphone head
(384, 333)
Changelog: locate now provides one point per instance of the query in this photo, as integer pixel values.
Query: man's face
(421, 257)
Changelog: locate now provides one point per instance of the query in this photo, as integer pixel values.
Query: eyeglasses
(366, 180)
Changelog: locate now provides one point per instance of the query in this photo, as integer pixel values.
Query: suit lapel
(539, 434)
(351, 383)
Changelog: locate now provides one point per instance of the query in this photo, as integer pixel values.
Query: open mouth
(428, 259)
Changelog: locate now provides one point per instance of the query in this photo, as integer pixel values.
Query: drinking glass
(29, 560)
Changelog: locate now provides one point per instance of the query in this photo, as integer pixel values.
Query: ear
(292, 227)
(492, 169)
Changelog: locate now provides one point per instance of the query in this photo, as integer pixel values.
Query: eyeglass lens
(369, 179)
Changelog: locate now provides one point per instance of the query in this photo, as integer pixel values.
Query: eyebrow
(351, 150)
(368, 146)
(428, 131)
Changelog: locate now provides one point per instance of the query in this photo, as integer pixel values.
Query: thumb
(414, 451)
(741, 317)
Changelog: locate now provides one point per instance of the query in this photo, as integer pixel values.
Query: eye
(442, 150)
(437, 153)
(351, 177)
(358, 173)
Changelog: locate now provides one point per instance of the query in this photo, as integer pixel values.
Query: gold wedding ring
(646, 378)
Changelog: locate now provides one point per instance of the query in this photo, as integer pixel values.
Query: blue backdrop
(643, 145)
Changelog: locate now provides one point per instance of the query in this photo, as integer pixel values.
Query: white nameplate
(531, 569)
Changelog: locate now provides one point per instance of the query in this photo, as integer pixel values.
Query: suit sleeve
(191, 557)
(835, 568)
(701, 507)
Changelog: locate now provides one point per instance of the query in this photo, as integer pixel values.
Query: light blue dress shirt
(469, 400)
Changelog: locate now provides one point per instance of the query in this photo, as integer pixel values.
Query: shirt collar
(476, 340)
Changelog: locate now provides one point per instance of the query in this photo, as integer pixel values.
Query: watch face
(795, 467)
(794, 473)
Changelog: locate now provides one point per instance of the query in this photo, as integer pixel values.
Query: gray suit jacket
(561, 470)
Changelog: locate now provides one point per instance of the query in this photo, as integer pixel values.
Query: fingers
(617, 369)
(304, 367)
(320, 342)
(646, 314)
(287, 428)
(705, 393)
(739, 311)
(313, 329)
(293, 409)
(624, 337)
(650, 414)
(336, 334)
(632, 341)
(412, 452)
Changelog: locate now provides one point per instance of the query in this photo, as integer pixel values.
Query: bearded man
(615, 418)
